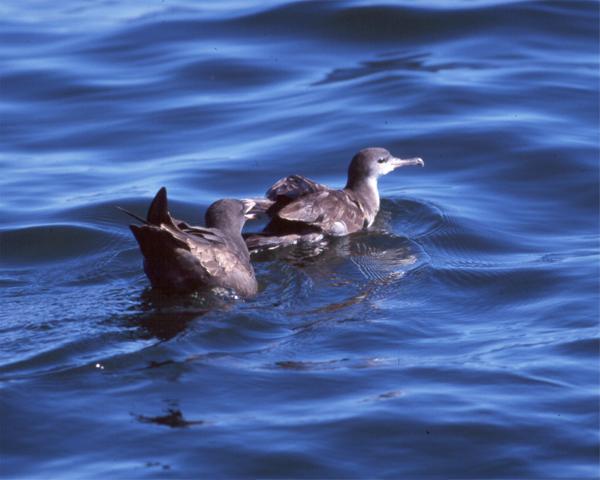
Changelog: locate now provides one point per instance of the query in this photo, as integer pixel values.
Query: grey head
(229, 215)
(371, 163)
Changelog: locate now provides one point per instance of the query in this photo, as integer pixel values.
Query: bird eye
(381, 160)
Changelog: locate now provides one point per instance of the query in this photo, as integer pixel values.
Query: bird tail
(158, 213)
(159, 233)
(131, 214)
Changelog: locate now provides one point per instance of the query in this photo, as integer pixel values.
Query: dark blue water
(459, 339)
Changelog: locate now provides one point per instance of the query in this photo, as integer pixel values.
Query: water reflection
(164, 316)
(173, 418)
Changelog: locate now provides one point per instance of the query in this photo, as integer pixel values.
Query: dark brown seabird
(305, 211)
(181, 258)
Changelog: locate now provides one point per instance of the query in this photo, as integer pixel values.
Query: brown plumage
(303, 210)
(181, 258)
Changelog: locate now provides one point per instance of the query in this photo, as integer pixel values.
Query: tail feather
(158, 242)
(131, 214)
(159, 236)
(159, 210)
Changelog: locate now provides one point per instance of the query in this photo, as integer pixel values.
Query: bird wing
(292, 187)
(218, 260)
(335, 212)
(205, 234)
(211, 250)
(284, 191)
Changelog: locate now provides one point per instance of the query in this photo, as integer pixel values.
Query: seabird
(303, 210)
(181, 258)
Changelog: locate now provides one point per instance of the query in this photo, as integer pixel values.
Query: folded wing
(293, 187)
(334, 212)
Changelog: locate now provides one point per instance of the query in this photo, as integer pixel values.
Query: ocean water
(458, 339)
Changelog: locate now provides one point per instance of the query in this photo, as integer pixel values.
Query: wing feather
(292, 187)
(334, 212)
(208, 235)
(215, 261)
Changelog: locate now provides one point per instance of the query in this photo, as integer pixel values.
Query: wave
(467, 312)
(52, 243)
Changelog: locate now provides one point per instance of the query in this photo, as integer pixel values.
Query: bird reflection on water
(164, 316)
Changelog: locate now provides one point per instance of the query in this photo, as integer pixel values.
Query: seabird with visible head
(181, 258)
(303, 210)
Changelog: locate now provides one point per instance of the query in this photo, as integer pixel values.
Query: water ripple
(462, 326)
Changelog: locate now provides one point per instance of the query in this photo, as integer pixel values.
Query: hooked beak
(248, 206)
(405, 162)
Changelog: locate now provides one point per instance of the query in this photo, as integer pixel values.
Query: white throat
(368, 195)
(373, 190)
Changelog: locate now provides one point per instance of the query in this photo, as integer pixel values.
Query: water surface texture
(458, 339)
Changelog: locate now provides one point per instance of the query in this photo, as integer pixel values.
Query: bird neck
(229, 226)
(233, 232)
(366, 191)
